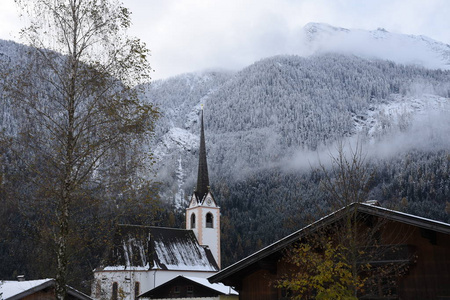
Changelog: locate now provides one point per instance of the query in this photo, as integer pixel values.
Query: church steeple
(202, 178)
(203, 213)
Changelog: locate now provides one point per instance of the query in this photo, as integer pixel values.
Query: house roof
(148, 247)
(323, 222)
(12, 290)
(218, 288)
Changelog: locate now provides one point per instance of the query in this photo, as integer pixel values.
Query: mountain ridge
(379, 43)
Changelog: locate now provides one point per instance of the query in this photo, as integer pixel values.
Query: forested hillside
(267, 125)
(269, 128)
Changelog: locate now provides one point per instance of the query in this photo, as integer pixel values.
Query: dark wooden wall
(427, 275)
(259, 286)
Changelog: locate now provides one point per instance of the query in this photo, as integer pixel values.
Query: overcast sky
(192, 35)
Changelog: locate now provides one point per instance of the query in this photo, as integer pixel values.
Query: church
(145, 257)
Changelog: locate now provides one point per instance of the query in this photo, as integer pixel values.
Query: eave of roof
(25, 288)
(290, 239)
(76, 293)
(30, 287)
(213, 287)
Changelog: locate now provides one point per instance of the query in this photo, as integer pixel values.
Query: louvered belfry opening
(202, 179)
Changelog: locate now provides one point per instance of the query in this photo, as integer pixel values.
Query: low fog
(428, 131)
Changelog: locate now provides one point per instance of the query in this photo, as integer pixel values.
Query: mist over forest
(271, 126)
(271, 130)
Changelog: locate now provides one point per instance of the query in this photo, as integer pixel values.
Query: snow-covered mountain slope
(177, 133)
(276, 110)
(9, 50)
(380, 44)
(347, 83)
(401, 112)
(176, 138)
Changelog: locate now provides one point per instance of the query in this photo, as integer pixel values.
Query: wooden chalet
(421, 244)
(35, 290)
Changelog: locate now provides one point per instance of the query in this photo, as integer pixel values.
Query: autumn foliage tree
(343, 259)
(318, 271)
(86, 130)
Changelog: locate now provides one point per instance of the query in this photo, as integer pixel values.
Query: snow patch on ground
(179, 196)
(176, 138)
(399, 112)
(173, 148)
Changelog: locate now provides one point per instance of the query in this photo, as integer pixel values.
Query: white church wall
(211, 236)
(102, 289)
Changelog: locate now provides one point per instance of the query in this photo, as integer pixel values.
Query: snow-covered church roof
(147, 247)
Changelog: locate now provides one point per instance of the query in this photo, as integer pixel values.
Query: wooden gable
(421, 243)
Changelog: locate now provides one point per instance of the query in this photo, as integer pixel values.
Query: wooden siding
(46, 294)
(428, 275)
(259, 286)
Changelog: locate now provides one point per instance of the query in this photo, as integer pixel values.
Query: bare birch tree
(79, 88)
(348, 178)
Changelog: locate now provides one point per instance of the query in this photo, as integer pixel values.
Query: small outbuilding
(182, 287)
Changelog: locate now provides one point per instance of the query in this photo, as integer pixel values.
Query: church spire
(202, 179)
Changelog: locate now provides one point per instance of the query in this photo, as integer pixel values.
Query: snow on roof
(146, 247)
(14, 290)
(10, 289)
(369, 208)
(220, 287)
(178, 249)
(126, 268)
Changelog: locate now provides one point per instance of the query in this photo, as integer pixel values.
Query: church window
(136, 290)
(193, 221)
(209, 220)
(98, 289)
(115, 291)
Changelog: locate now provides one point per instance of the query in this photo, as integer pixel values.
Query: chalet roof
(148, 247)
(364, 208)
(216, 288)
(13, 290)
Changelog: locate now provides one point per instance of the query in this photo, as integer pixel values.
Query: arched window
(193, 221)
(115, 291)
(137, 290)
(209, 220)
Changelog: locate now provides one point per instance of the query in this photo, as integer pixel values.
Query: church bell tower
(203, 213)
